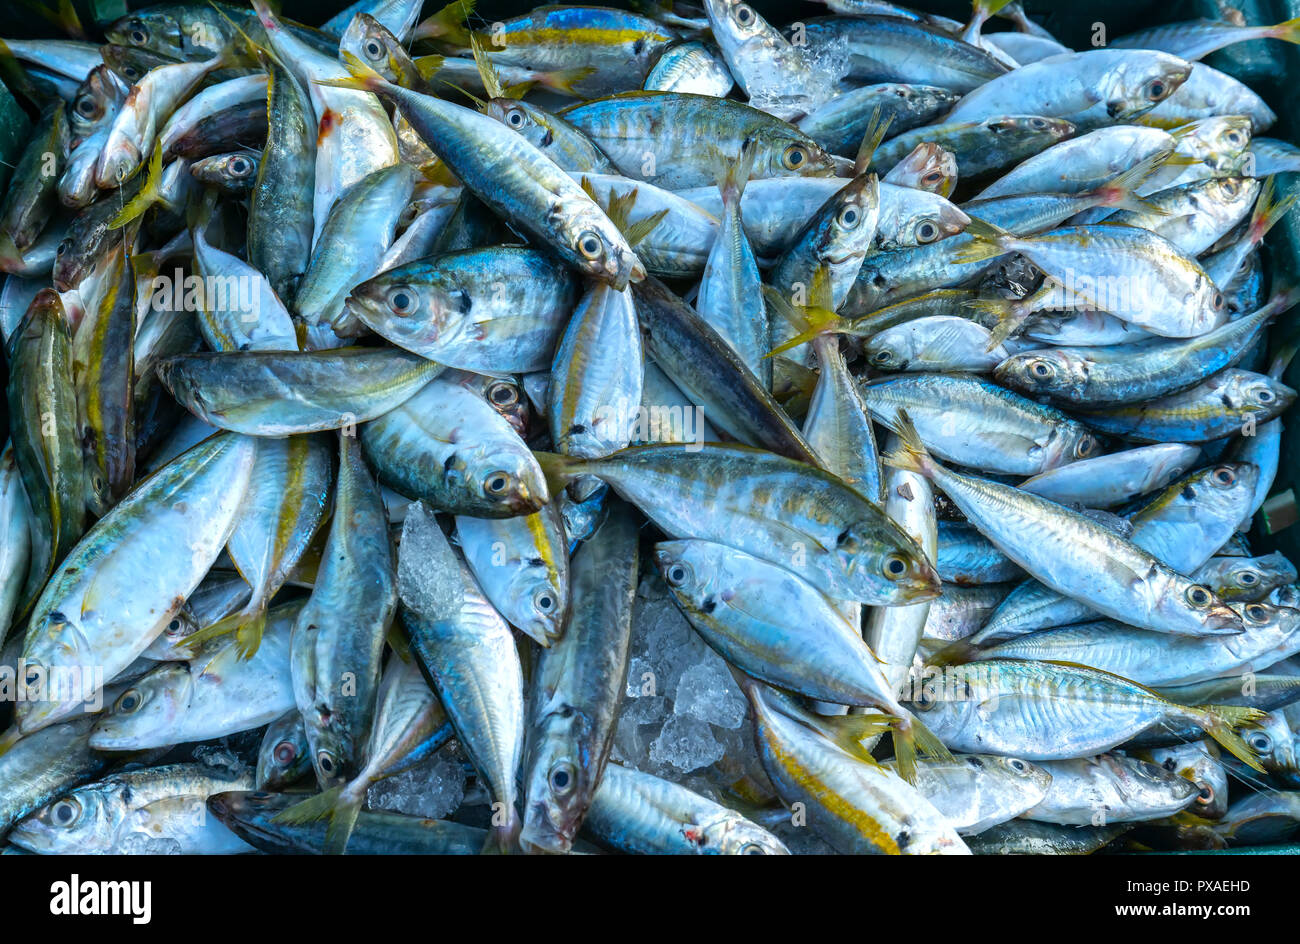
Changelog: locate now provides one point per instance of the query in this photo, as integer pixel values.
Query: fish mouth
(1223, 621)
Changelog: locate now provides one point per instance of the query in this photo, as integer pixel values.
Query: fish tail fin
(448, 24)
(809, 323)
(504, 838)
(342, 820)
(875, 133)
(487, 73)
(312, 809)
(559, 470)
(955, 653)
(1220, 722)
(989, 242)
(911, 453)
(563, 80)
(912, 738)
(1287, 31)
(735, 174)
(1269, 208)
(247, 624)
(1121, 190)
(150, 192)
(364, 78)
(988, 8)
(1004, 317)
(338, 806)
(248, 635)
(849, 731)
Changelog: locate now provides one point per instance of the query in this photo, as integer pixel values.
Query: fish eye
(260, 795)
(1248, 578)
(1223, 475)
(677, 574)
(285, 753)
(1264, 396)
(752, 848)
(63, 247)
(1155, 90)
(1205, 795)
(1260, 742)
(795, 156)
(515, 118)
(1037, 123)
(849, 217)
(402, 300)
(881, 357)
(933, 177)
(129, 701)
(895, 566)
(503, 394)
(374, 49)
(927, 231)
(1234, 138)
(174, 627)
(1256, 613)
(66, 812)
(744, 15)
(1017, 764)
(86, 106)
(1217, 302)
(240, 166)
(923, 701)
(138, 35)
(589, 244)
(496, 483)
(1041, 370)
(544, 601)
(1198, 596)
(1169, 764)
(1085, 447)
(327, 761)
(562, 777)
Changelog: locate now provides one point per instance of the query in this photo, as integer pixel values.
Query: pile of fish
(650, 431)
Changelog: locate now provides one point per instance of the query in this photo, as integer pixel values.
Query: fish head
(919, 219)
(248, 808)
(1198, 762)
(98, 96)
(55, 656)
(733, 834)
(372, 43)
(684, 566)
(1051, 370)
(1224, 491)
(120, 159)
(1259, 395)
(889, 350)
(932, 167)
(80, 822)
(1273, 741)
(597, 247)
(850, 216)
(157, 30)
(540, 589)
(1140, 81)
(561, 780)
(506, 396)
(903, 568)
(284, 756)
(1160, 788)
(1029, 776)
(1256, 576)
(783, 153)
(1196, 603)
(523, 119)
(507, 481)
(228, 170)
(1216, 141)
(147, 712)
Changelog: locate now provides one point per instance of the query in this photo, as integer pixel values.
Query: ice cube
(685, 743)
(434, 788)
(707, 691)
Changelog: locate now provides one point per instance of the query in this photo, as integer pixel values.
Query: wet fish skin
(578, 685)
